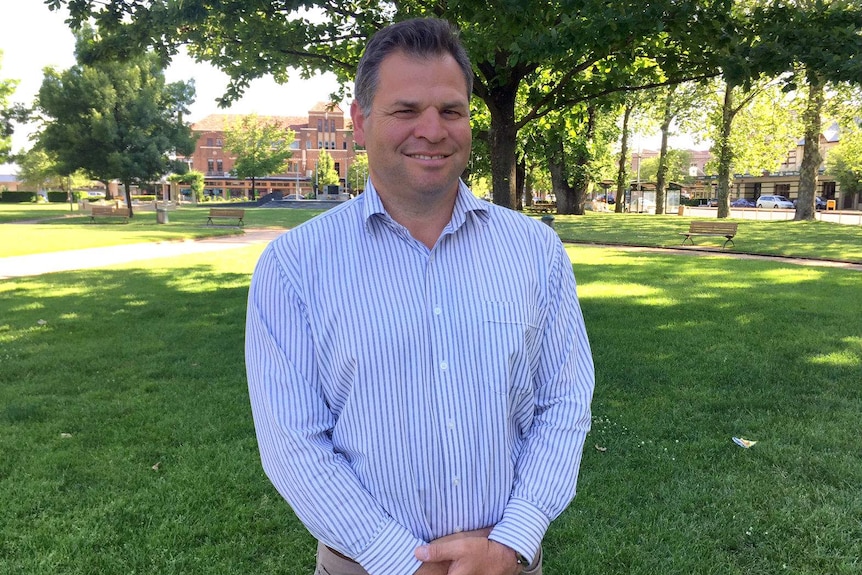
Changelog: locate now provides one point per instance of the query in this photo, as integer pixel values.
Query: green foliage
(678, 162)
(17, 197)
(7, 88)
(357, 173)
(193, 179)
(325, 174)
(114, 120)
(844, 161)
(261, 146)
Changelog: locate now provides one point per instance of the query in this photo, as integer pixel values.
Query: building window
(338, 167)
(209, 142)
(219, 166)
(218, 142)
(319, 125)
(210, 164)
(344, 144)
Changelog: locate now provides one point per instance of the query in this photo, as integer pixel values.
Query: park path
(89, 258)
(38, 264)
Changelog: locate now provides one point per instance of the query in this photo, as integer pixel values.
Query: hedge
(17, 197)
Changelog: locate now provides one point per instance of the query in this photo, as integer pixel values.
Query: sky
(35, 37)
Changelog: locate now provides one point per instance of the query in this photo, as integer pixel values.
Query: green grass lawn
(128, 447)
(64, 231)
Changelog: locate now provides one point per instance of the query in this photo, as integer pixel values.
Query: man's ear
(358, 123)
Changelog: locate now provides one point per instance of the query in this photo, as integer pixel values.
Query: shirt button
(456, 481)
(438, 310)
(458, 529)
(451, 424)
(444, 366)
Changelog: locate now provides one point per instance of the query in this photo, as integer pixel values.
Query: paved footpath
(37, 264)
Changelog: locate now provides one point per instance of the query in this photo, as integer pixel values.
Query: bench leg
(729, 240)
(688, 238)
(210, 221)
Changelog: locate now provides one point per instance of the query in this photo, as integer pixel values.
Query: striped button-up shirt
(401, 394)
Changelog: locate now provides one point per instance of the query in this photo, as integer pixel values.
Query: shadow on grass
(690, 352)
(126, 432)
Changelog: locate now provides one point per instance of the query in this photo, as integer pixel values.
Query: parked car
(609, 198)
(711, 203)
(742, 203)
(774, 202)
(819, 203)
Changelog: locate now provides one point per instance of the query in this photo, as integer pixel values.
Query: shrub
(17, 197)
(57, 197)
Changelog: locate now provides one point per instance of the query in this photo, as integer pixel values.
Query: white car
(774, 202)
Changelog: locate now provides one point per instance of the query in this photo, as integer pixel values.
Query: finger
(433, 553)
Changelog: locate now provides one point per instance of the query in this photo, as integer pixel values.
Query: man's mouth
(427, 157)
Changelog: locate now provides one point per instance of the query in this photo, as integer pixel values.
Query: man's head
(419, 38)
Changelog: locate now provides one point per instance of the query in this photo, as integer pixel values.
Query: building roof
(327, 107)
(220, 122)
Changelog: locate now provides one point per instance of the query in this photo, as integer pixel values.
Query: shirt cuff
(391, 552)
(522, 528)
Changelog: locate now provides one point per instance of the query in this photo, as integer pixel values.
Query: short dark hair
(419, 37)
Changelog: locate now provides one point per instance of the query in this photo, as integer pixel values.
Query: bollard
(548, 220)
(161, 215)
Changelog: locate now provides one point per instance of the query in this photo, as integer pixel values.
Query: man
(432, 422)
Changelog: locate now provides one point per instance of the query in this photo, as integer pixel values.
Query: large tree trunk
(725, 153)
(581, 179)
(560, 183)
(502, 139)
(811, 157)
(622, 168)
(661, 176)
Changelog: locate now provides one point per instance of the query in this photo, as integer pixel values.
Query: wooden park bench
(229, 213)
(541, 208)
(109, 212)
(711, 228)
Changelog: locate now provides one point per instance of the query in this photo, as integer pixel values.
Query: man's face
(417, 133)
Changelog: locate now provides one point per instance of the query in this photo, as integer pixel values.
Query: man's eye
(404, 113)
(451, 113)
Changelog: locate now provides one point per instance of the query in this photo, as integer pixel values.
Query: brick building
(324, 128)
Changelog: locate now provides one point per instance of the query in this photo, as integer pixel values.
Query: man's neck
(425, 220)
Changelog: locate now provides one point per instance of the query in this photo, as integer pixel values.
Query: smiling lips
(428, 157)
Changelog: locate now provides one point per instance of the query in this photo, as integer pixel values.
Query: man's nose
(430, 125)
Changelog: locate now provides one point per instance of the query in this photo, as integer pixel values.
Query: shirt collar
(465, 203)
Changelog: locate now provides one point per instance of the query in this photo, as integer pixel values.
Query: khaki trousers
(328, 563)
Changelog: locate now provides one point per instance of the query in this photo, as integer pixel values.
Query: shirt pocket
(511, 345)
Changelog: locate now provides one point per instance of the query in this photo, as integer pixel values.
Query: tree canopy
(261, 147)
(558, 52)
(116, 120)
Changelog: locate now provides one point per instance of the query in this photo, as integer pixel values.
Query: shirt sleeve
(294, 428)
(547, 469)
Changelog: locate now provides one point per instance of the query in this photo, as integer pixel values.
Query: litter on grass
(742, 442)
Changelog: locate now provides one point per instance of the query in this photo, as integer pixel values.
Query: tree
(680, 105)
(357, 173)
(114, 120)
(560, 52)
(261, 147)
(819, 40)
(325, 174)
(193, 179)
(844, 161)
(8, 113)
(677, 163)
